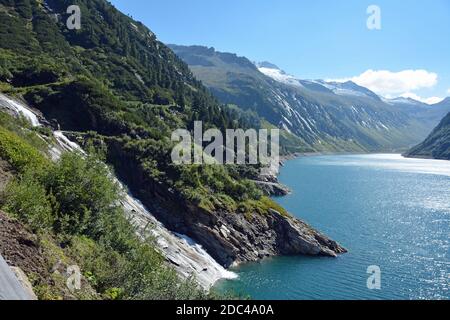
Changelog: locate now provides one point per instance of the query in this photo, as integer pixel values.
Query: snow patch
(280, 76)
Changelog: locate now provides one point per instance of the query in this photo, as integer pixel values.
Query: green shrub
(21, 127)
(27, 199)
(85, 194)
(20, 154)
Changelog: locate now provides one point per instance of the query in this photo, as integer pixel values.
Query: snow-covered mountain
(277, 74)
(348, 88)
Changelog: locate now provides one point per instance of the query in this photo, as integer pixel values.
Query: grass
(19, 153)
(261, 206)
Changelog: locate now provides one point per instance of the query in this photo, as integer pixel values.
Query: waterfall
(187, 256)
(184, 254)
(19, 110)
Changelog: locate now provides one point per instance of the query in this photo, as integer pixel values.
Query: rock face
(25, 282)
(233, 238)
(10, 286)
(269, 184)
(273, 188)
(230, 238)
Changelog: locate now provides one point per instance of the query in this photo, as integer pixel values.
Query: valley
(91, 118)
(315, 114)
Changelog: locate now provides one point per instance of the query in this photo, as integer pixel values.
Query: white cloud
(385, 82)
(397, 84)
(448, 91)
(430, 100)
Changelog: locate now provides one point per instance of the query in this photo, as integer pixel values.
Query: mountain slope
(437, 145)
(326, 116)
(120, 91)
(65, 208)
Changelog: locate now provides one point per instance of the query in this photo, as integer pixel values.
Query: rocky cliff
(229, 237)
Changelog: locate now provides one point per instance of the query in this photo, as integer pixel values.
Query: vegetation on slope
(114, 78)
(119, 89)
(73, 206)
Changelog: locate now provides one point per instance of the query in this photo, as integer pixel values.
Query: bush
(19, 153)
(22, 127)
(27, 199)
(85, 194)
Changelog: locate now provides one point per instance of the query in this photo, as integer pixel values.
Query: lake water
(388, 211)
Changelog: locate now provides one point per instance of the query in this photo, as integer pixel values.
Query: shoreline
(295, 155)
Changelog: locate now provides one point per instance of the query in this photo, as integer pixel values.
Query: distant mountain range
(323, 116)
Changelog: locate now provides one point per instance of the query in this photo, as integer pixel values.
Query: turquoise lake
(386, 210)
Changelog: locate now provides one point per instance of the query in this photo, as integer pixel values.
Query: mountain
(120, 93)
(326, 116)
(437, 145)
(349, 88)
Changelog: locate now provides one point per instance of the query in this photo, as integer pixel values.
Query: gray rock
(273, 188)
(249, 238)
(26, 285)
(10, 286)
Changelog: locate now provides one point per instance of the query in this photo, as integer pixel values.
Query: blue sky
(324, 39)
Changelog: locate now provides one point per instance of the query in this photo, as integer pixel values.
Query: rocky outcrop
(10, 286)
(234, 238)
(24, 282)
(273, 188)
(230, 238)
(269, 184)
(296, 237)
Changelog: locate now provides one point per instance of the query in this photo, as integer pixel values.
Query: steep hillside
(121, 92)
(63, 208)
(326, 116)
(115, 79)
(437, 145)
